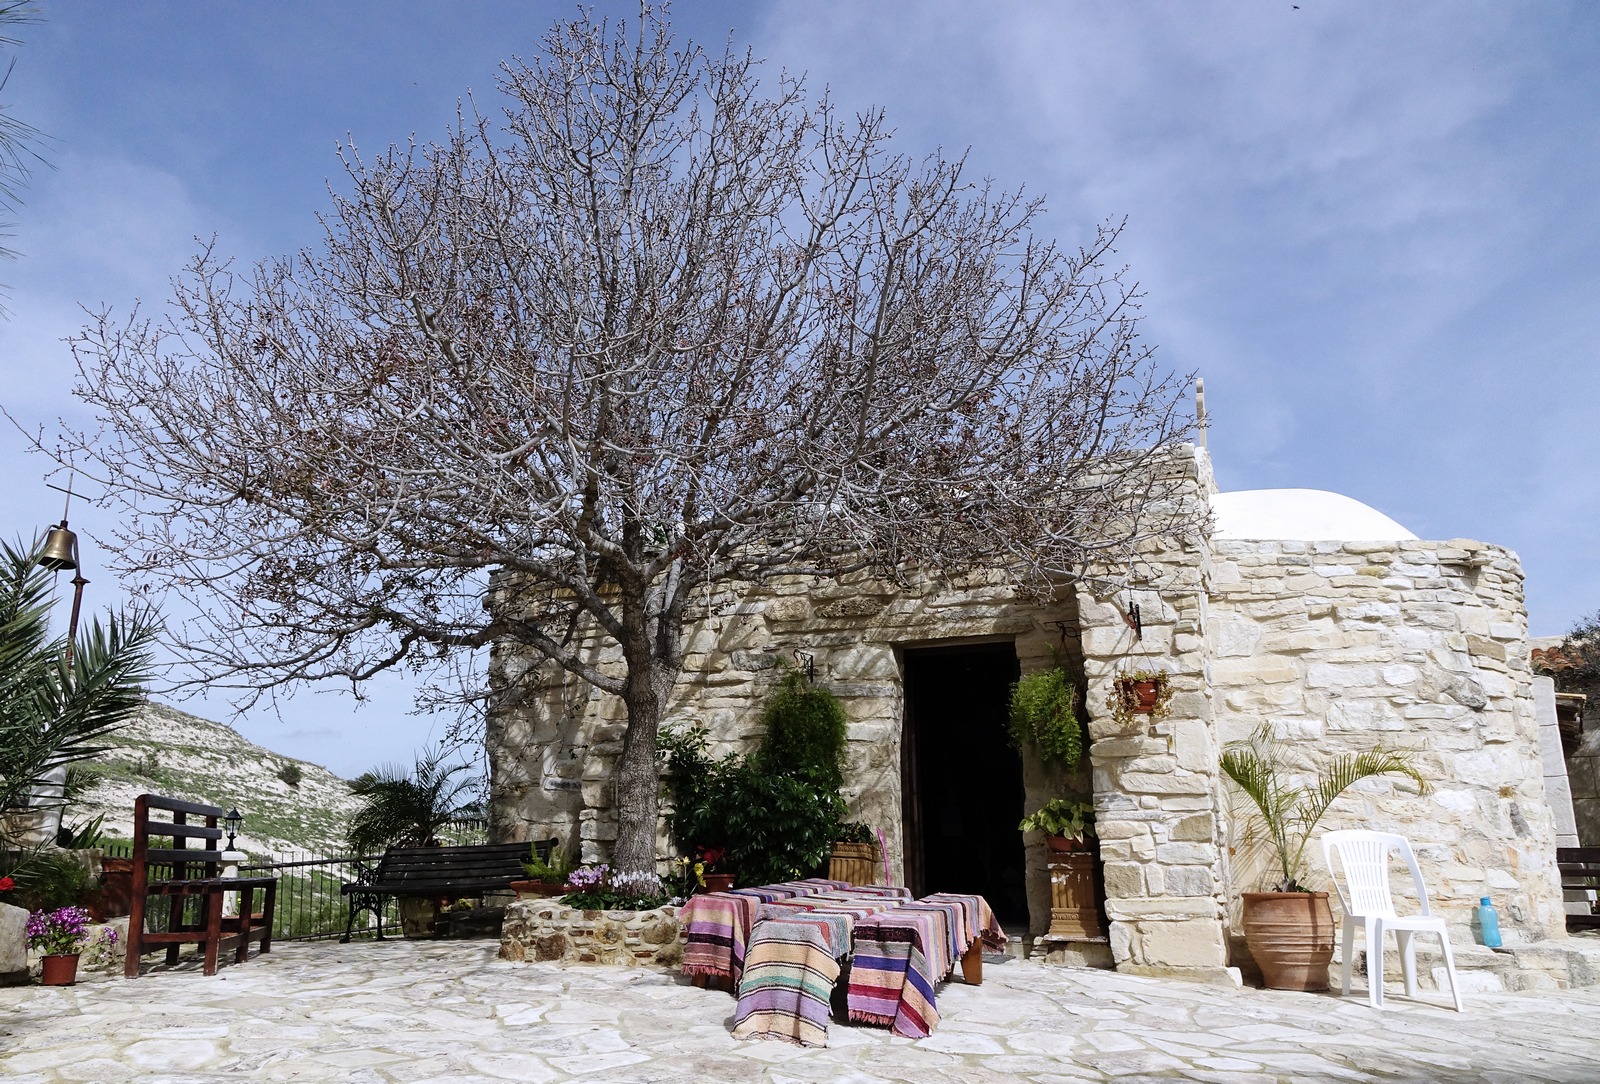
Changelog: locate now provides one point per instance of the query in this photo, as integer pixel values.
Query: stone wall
(552, 742)
(543, 931)
(1422, 645)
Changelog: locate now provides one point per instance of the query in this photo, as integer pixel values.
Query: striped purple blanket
(716, 925)
(901, 956)
(789, 974)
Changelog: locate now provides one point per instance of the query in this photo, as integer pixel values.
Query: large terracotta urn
(1290, 934)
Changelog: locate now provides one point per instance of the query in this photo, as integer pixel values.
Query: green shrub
(291, 774)
(1042, 715)
(805, 734)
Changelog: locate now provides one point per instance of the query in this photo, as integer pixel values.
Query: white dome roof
(1303, 515)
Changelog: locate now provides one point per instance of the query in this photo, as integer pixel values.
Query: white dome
(1303, 515)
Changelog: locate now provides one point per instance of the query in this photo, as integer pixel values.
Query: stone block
(13, 941)
(1124, 880)
(1189, 880)
(1186, 854)
(1192, 744)
(1184, 943)
(1197, 827)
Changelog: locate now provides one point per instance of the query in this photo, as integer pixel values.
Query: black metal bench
(1580, 873)
(438, 873)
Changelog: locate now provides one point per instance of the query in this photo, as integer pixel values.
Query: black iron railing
(309, 906)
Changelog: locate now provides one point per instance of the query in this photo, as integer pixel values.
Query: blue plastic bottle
(1488, 923)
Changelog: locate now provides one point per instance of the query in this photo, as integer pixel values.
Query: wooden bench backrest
(173, 838)
(474, 868)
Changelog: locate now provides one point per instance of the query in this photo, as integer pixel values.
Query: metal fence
(309, 906)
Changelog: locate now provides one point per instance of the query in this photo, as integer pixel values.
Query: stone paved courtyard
(451, 1011)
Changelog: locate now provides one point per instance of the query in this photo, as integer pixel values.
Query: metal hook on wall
(1065, 629)
(1133, 620)
(808, 662)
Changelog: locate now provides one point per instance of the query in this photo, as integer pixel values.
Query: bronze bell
(60, 553)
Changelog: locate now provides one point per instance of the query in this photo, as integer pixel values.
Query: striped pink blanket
(716, 925)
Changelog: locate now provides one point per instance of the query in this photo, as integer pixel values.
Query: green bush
(775, 813)
(1042, 715)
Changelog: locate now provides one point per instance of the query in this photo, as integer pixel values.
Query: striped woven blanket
(789, 976)
(899, 958)
(979, 920)
(717, 925)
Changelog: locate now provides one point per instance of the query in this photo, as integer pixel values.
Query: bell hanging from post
(60, 553)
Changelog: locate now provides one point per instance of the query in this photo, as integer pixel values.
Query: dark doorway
(962, 779)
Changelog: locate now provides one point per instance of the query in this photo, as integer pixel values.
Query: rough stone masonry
(1335, 644)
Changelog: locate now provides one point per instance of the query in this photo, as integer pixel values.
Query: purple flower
(58, 933)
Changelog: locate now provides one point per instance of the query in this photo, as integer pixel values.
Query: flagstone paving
(407, 1012)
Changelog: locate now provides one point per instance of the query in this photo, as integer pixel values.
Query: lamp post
(231, 824)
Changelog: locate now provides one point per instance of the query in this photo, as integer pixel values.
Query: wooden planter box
(856, 863)
(1072, 907)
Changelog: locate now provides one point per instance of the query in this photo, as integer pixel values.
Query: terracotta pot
(60, 970)
(1065, 844)
(718, 882)
(1290, 934)
(1145, 696)
(538, 889)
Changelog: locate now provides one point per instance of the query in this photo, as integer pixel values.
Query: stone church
(1304, 610)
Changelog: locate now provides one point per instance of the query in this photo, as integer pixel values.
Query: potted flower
(1065, 822)
(1042, 716)
(601, 888)
(1289, 928)
(545, 878)
(59, 936)
(1140, 692)
(706, 874)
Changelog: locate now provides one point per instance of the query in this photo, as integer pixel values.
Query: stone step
(1555, 964)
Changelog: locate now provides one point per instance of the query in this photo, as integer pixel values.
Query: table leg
(972, 963)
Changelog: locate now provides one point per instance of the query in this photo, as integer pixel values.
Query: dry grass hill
(287, 804)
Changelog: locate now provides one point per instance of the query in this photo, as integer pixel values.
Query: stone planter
(1290, 934)
(13, 945)
(418, 916)
(538, 931)
(855, 863)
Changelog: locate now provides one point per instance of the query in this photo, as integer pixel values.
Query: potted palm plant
(1289, 928)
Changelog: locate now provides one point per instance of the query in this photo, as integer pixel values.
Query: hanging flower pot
(60, 970)
(1145, 695)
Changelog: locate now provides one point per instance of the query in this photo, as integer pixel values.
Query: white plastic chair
(1364, 893)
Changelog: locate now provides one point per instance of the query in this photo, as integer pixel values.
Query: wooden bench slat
(182, 831)
(179, 805)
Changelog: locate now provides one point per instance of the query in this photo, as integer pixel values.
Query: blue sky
(1372, 228)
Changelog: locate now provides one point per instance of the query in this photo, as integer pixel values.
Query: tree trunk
(649, 684)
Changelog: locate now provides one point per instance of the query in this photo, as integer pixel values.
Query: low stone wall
(545, 931)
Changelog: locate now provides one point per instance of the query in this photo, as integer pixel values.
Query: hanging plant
(1042, 715)
(1140, 692)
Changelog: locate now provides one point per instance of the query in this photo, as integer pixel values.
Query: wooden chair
(178, 872)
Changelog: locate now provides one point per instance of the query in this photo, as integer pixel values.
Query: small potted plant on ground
(59, 936)
(1289, 929)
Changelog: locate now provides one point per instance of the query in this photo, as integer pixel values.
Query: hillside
(287, 804)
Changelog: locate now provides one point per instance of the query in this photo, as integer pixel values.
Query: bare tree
(18, 139)
(657, 326)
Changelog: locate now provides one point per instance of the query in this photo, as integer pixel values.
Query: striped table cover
(717, 925)
(789, 976)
